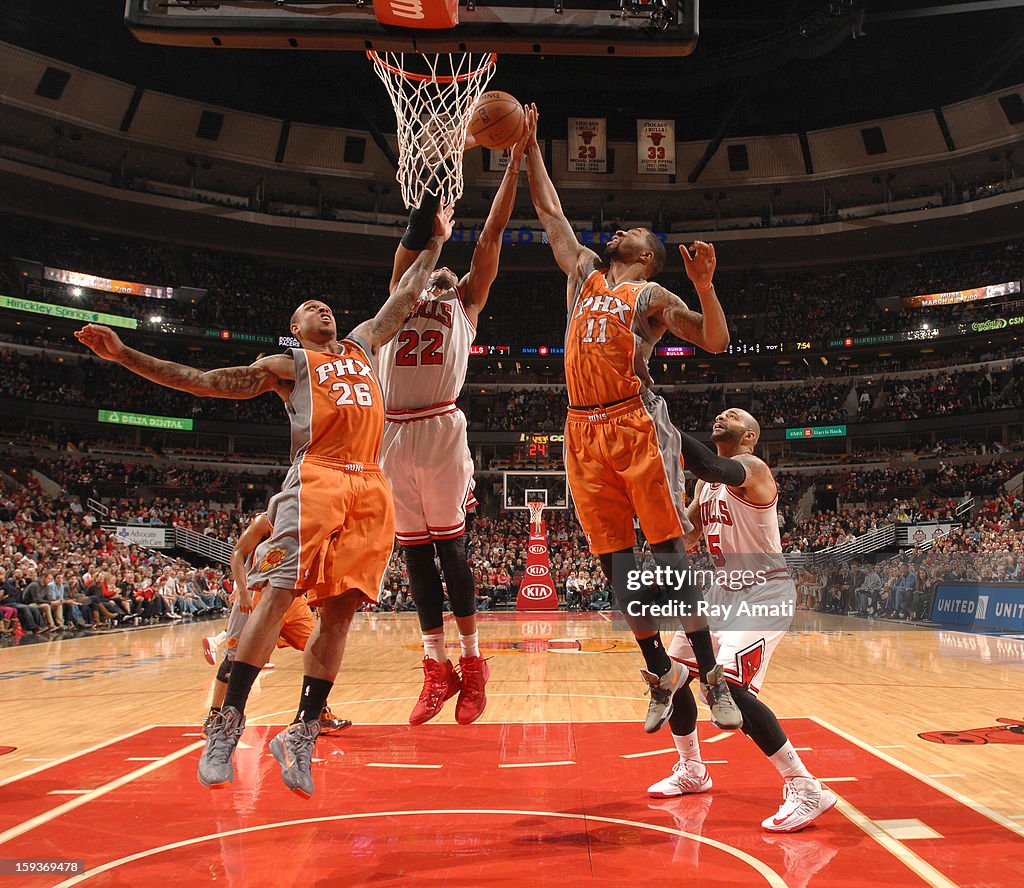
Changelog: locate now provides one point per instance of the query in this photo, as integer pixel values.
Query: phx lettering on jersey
(343, 367)
(604, 303)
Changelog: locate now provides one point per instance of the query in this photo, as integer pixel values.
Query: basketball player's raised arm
(383, 326)
(475, 286)
(572, 257)
(257, 531)
(274, 373)
(707, 328)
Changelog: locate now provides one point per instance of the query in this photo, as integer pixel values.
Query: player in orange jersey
(334, 521)
(297, 624)
(622, 453)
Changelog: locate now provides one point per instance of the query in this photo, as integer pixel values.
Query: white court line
(68, 791)
(772, 878)
(54, 762)
(966, 801)
(837, 779)
(640, 755)
(398, 765)
(803, 749)
(725, 735)
(535, 764)
(896, 848)
(94, 794)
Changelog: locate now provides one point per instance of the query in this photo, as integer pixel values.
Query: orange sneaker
(473, 699)
(440, 683)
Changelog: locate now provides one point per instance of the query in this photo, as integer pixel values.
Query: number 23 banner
(588, 145)
(656, 146)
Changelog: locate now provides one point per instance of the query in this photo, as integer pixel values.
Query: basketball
(497, 120)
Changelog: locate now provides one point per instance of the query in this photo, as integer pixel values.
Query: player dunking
(333, 520)
(426, 455)
(296, 626)
(734, 506)
(622, 453)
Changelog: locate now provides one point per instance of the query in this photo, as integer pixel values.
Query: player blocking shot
(735, 509)
(622, 453)
(426, 455)
(333, 520)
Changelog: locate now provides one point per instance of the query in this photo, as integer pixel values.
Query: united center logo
(272, 558)
(535, 592)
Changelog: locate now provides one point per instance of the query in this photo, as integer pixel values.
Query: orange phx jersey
(603, 359)
(334, 520)
(622, 453)
(337, 407)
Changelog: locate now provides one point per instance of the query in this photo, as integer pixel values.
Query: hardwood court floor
(547, 788)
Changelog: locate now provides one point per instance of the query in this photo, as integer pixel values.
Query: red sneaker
(473, 699)
(440, 683)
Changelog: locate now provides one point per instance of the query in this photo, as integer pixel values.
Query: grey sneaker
(223, 731)
(725, 713)
(293, 749)
(661, 690)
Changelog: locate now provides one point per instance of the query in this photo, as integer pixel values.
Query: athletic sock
(703, 651)
(220, 638)
(688, 746)
(315, 692)
(470, 644)
(655, 654)
(240, 684)
(788, 763)
(433, 647)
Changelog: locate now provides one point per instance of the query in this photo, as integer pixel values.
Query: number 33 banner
(656, 146)
(588, 145)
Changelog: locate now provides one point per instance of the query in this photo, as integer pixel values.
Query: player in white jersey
(426, 456)
(734, 508)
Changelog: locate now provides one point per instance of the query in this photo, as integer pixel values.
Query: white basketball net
(433, 97)
(536, 514)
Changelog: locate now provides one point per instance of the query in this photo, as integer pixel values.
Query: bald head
(736, 430)
(750, 424)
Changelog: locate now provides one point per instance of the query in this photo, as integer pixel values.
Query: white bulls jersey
(426, 457)
(742, 535)
(424, 366)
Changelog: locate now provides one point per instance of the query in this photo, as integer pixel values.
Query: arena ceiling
(756, 70)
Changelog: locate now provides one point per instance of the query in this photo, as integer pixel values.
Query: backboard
(519, 488)
(532, 27)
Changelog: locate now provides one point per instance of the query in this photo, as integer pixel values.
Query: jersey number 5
(430, 354)
(715, 548)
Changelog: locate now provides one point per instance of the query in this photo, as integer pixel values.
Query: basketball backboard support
(520, 488)
(530, 27)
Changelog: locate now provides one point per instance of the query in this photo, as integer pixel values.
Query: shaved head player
(622, 453)
(735, 508)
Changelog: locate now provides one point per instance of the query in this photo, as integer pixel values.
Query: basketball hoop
(433, 97)
(536, 508)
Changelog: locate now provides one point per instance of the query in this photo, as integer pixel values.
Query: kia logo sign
(537, 570)
(537, 549)
(536, 592)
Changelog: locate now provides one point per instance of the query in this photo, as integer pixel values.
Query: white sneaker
(804, 800)
(686, 777)
(210, 649)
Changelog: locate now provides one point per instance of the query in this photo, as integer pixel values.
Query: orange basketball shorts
(333, 531)
(623, 461)
(296, 625)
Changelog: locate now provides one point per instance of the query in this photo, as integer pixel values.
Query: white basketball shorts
(430, 469)
(744, 652)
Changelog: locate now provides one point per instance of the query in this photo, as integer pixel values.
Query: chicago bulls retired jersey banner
(537, 591)
(656, 146)
(588, 145)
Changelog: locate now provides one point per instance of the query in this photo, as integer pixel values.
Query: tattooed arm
(382, 328)
(274, 373)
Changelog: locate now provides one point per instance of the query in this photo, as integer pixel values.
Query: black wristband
(421, 223)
